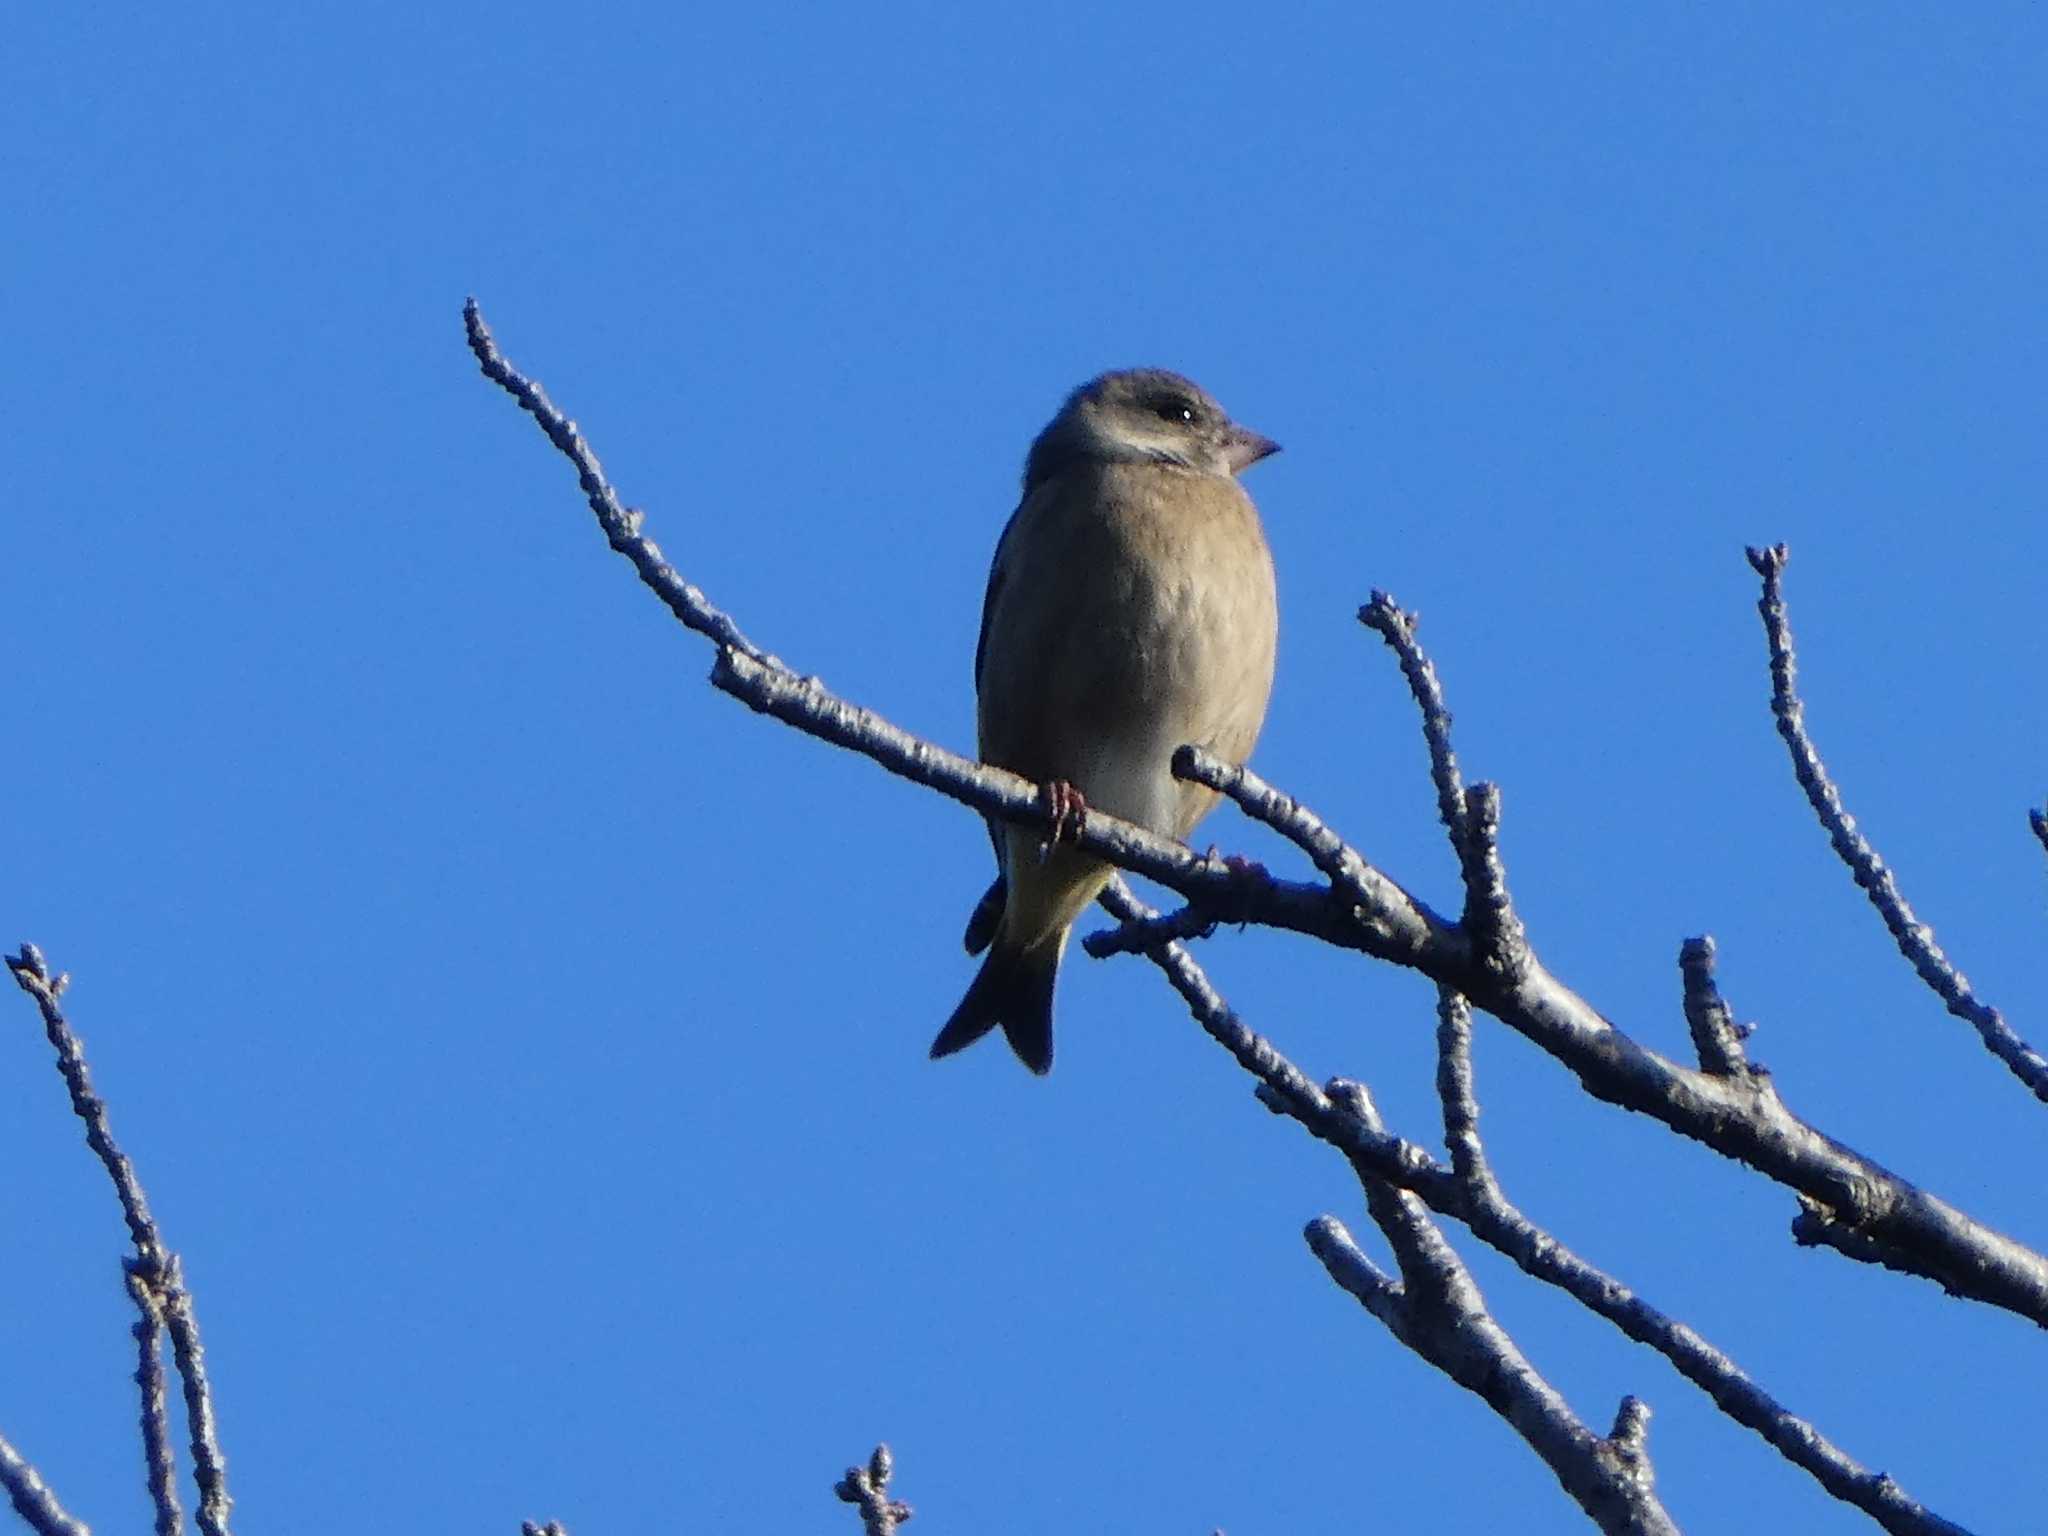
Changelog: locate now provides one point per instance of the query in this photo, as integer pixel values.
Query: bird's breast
(1131, 619)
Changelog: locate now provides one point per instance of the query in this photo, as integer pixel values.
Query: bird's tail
(1013, 989)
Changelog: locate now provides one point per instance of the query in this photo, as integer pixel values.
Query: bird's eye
(1174, 409)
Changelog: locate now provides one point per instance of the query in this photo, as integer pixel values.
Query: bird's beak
(1244, 448)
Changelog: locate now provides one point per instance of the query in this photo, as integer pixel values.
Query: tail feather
(986, 917)
(1013, 989)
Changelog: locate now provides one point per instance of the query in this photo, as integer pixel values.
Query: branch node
(1499, 942)
(1355, 1100)
(868, 1487)
(1631, 1431)
(1397, 921)
(1716, 1037)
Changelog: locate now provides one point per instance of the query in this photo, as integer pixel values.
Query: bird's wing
(981, 926)
(988, 598)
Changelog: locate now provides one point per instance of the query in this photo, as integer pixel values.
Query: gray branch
(1385, 618)
(32, 1498)
(868, 1487)
(1437, 1311)
(155, 1280)
(1914, 938)
(1496, 1221)
(1469, 1193)
(1716, 1037)
(1743, 1118)
(160, 1463)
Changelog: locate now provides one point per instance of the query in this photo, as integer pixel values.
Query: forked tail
(1013, 989)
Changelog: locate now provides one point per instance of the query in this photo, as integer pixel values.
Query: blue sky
(524, 1045)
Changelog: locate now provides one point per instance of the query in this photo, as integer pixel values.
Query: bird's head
(1145, 415)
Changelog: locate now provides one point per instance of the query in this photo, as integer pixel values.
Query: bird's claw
(1066, 813)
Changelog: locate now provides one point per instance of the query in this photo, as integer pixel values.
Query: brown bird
(1130, 610)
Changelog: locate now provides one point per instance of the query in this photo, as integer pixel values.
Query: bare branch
(1438, 1312)
(804, 702)
(1392, 924)
(869, 1488)
(154, 1270)
(1499, 942)
(1470, 816)
(1914, 938)
(32, 1498)
(1384, 616)
(1467, 1192)
(1139, 936)
(209, 1465)
(1631, 1433)
(1497, 1222)
(1364, 910)
(1715, 1035)
(1742, 1117)
(1283, 1087)
(620, 523)
(1460, 1100)
(35, 977)
(159, 1463)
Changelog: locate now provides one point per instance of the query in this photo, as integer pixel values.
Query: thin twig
(1716, 1037)
(154, 1271)
(1283, 1087)
(1139, 936)
(1914, 938)
(1402, 925)
(620, 522)
(1471, 816)
(1458, 1096)
(32, 1498)
(868, 1487)
(160, 1464)
(1385, 617)
(1630, 1436)
(209, 1464)
(32, 972)
(1498, 939)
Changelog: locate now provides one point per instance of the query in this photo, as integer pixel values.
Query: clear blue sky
(525, 1045)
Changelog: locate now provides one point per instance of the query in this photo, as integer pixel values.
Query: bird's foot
(1066, 813)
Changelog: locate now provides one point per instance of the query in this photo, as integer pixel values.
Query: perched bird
(1130, 610)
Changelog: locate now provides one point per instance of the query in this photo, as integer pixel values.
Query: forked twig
(155, 1280)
